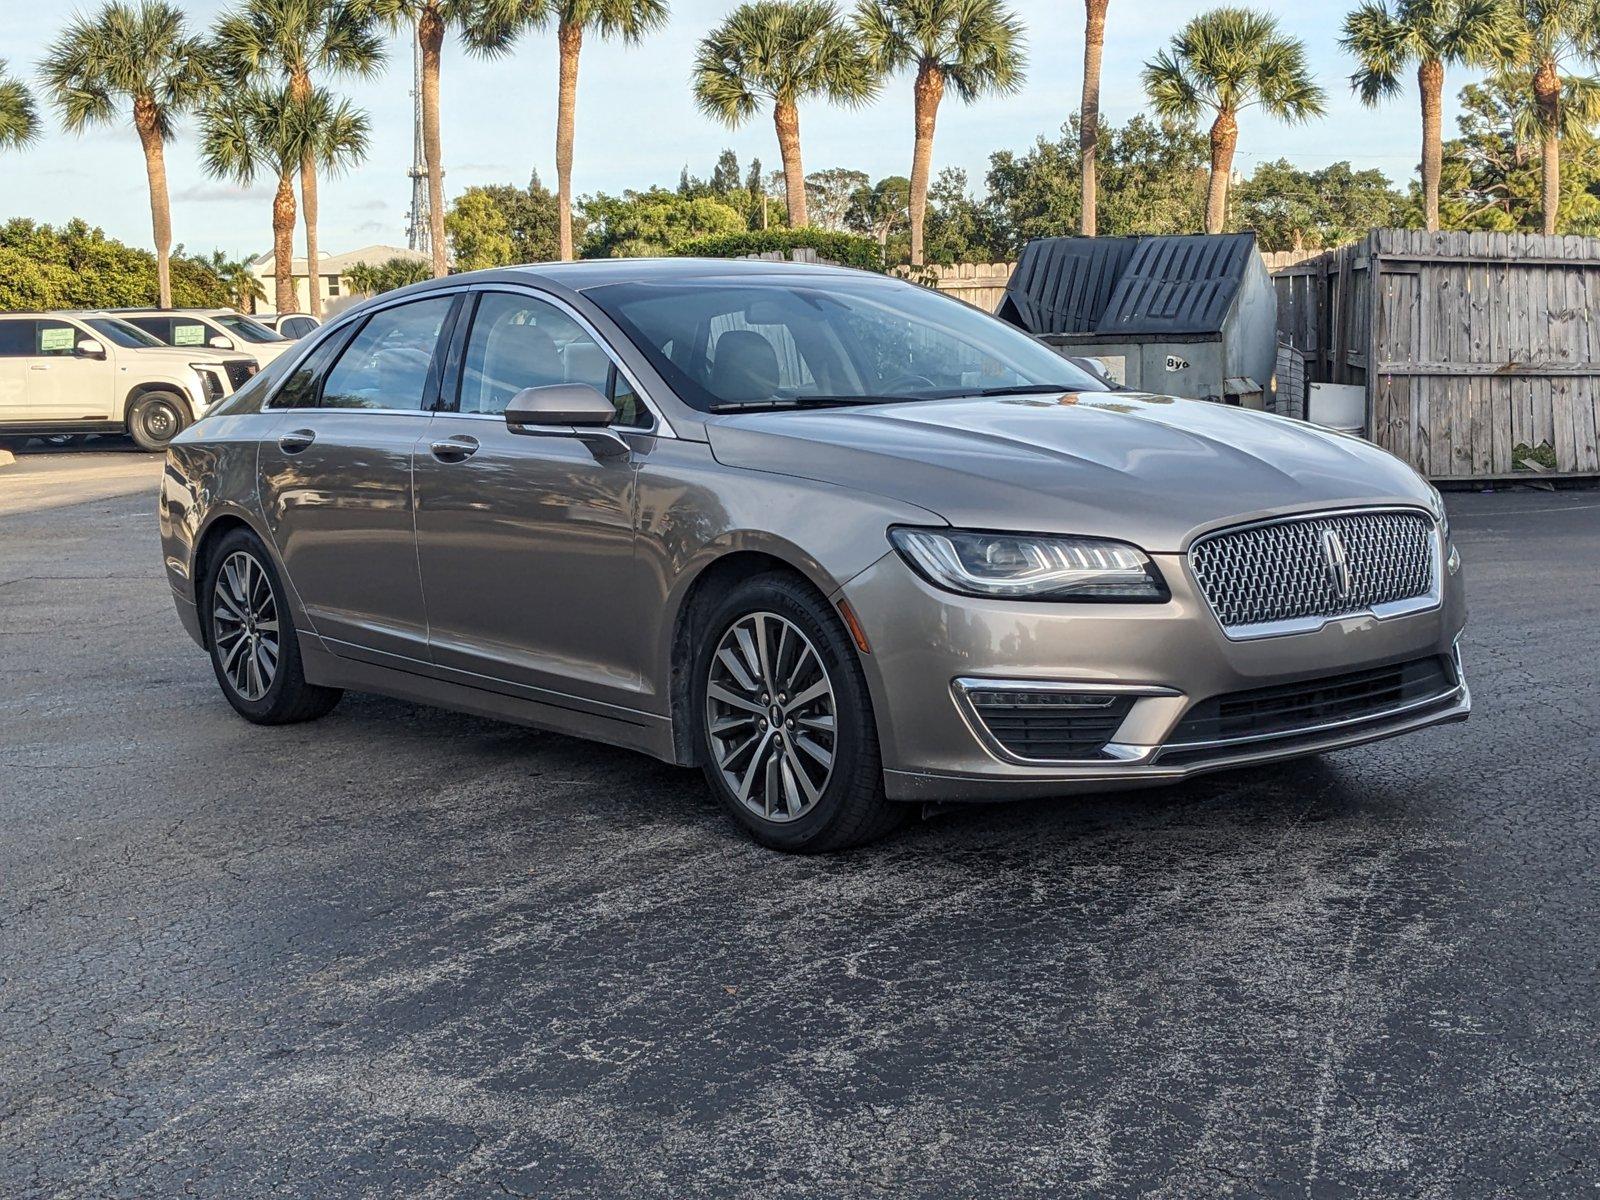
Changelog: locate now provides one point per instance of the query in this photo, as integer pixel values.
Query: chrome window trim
(661, 428)
(1119, 753)
(1427, 602)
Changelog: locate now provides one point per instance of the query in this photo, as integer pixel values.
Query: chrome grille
(1277, 576)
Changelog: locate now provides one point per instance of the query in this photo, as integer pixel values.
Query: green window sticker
(55, 338)
(188, 335)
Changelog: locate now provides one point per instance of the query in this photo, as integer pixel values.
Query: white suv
(209, 329)
(63, 373)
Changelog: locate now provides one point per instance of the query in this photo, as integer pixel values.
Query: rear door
(63, 384)
(336, 479)
(16, 348)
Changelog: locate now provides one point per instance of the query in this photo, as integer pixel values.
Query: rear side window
(390, 361)
(156, 327)
(16, 339)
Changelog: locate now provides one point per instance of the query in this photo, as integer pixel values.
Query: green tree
(1556, 32)
(1223, 62)
(829, 195)
(500, 225)
(19, 119)
(1292, 209)
(1152, 179)
(142, 56)
(265, 130)
(485, 27)
(976, 47)
(297, 40)
(74, 266)
(1431, 34)
(366, 279)
(1094, 44)
(882, 212)
(656, 222)
(959, 228)
(725, 176)
(784, 51)
(244, 287)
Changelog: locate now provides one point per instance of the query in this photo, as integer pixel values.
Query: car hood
(1152, 470)
(183, 355)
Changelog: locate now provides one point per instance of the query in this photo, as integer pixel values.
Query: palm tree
(143, 56)
(484, 28)
(785, 51)
(1431, 34)
(19, 119)
(1094, 44)
(1225, 61)
(294, 39)
(244, 288)
(263, 129)
(626, 20)
(975, 46)
(1555, 31)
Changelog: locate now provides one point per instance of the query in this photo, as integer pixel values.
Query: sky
(638, 125)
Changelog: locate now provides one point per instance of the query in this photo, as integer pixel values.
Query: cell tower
(419, 227)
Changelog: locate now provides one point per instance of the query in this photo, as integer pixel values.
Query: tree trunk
(300, 90)
(430, 36)
(1224, 140)
(787, 119)
(1430, 82)
(1094, 42)
(570, 39)
(1547, 102)
(283, 244)
(929, 91)
(155, 169)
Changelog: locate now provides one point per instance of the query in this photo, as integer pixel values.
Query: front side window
(725, 344)
(56, 338)
(120, 333)
(518, 342)
(388, 363)
(191, 333)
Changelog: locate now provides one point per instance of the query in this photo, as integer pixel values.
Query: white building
(336, 294)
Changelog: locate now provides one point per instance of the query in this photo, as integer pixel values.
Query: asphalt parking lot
(404, 952)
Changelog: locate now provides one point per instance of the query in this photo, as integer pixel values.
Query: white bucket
(1340, 406)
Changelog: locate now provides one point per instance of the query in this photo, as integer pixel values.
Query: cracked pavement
(405, 952)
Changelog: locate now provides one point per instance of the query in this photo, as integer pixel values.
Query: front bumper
(929, 646)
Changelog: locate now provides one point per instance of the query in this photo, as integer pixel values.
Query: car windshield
(120, 333)
(836, 339)
(250, 331)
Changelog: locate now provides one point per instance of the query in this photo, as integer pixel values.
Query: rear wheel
(785, 721)
(156, 418)
(253, 647)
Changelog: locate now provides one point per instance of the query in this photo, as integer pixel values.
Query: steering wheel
(906, 382)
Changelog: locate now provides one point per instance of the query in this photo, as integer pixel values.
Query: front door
(336, 481)
(525, 541)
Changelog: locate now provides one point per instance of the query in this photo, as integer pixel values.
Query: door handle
(296, 440)
(39, 366)
(454, 449)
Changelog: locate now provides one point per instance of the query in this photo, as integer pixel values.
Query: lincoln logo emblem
(1336, 562)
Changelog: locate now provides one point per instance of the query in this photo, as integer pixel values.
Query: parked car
(77, 373)
(211, 328)
(291, 325)
(843, 542)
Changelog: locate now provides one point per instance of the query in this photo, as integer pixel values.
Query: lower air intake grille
(1048, 725)
(1295, 707)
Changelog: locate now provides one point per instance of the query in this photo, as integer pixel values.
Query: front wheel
(785, 721)
(156, 418)
(252, 639)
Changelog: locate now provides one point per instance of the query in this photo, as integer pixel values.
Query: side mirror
(570, 410)
(90, 348)
(221, 343)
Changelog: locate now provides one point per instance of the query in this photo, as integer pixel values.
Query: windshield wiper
(1023, 389)
(800, 402)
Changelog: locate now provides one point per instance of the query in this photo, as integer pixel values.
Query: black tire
(156, 418)
(286, 697)
(851, 808)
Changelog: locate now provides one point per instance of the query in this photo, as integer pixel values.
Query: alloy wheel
(771, 716)
(244, 625)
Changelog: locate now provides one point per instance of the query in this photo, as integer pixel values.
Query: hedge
(75, 266)
(847, 249)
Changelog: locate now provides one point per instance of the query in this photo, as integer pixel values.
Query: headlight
(1030, 566)
(1436, 503)
(210, 382)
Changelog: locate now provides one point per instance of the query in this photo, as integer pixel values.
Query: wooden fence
(1478, 351)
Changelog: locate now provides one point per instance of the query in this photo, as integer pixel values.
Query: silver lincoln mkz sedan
(839, 540)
